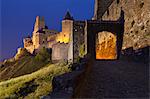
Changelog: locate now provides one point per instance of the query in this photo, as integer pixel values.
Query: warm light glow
(63, 38)
(106, 46)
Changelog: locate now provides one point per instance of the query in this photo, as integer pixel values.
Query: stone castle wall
(51, 39)
(137, 20)
(30, 48)
(61, 43)
(100, 8)
(64, 36)
(38, 39)
(27, 42)
(73, 37)
(79, 39)
(59, 52)
(39, 23)
(74, 34)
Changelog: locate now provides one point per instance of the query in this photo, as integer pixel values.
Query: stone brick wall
(137, 20)
(39, 23)
(30, 49)
(100, 8)
(38, 39)
(64, 36)
(73, 33)
(27, 42)
(39, 36)
(60, 52)
(79, 39)
(51, 39)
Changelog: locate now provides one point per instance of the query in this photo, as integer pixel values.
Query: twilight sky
(17, 19)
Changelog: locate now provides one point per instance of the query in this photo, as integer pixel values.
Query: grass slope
(20, 67)
(34, 85)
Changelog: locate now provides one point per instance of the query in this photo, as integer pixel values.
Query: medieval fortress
(71, 43)
(61, 43)
(100, 37)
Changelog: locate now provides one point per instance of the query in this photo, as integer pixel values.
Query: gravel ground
(117, 79)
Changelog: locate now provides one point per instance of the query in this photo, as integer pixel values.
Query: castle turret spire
(68, 16)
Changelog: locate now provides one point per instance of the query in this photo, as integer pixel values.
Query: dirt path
(117, 79)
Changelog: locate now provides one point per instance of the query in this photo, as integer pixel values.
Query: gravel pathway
(117, 79)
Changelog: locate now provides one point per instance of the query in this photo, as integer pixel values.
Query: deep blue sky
(18, 17)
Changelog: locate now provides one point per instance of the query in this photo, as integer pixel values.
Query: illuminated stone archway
(110, 34)
(106, 45)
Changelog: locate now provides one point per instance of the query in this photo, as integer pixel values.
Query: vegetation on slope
(26, 64)
(34, 85)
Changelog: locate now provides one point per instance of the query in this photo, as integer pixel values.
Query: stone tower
(67, 27)
(101, 7)
(67, 30)
(39, 23)
(38, 33)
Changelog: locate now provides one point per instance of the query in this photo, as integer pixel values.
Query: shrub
(43, 55)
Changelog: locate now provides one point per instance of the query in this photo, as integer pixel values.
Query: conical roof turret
(68, 16)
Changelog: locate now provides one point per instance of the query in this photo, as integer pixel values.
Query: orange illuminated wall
(63, 37)
(67, 29)
(106, 47)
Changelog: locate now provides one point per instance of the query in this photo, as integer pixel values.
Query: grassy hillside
(34, 85)
(24, 65)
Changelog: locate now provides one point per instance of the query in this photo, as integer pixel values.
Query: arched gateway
(104, 38)
(106, 45)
